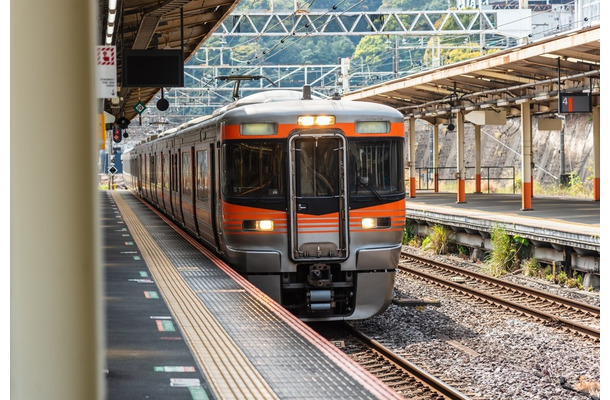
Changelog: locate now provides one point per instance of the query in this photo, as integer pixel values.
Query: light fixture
(376, 223)
(318, 120)
(368, 223)
(111, 19)
(264, 225)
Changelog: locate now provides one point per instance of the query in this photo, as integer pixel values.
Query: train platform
(181, 324)
(566, 219)
(565, 231)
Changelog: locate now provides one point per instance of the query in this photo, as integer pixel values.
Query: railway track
(402, 375)
(574, 316)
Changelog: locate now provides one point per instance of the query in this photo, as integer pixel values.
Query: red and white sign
(106, 72)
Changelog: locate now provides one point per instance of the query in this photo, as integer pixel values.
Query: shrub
(463, 251)
(438, 240)
(575, 282)
(506, 252)
(531, 267)
(408, 233)
(561, 278)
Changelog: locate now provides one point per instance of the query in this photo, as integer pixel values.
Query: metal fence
(492, 176)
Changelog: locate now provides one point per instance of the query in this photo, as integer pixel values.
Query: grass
(438, 240)
(506, 253)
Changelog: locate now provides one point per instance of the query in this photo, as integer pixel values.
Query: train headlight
(316, 120)
(368, 223)
(376, 223)
(264, 225)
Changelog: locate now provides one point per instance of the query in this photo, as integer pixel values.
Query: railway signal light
(116, 136)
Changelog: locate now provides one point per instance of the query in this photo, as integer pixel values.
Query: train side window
(203, 180)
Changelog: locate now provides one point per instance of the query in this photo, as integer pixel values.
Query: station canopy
(566, 65)
(539, 72)
(156, 25)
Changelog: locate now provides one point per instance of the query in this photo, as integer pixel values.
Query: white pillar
(461, 170)
(412, 171)
(526, 156)
(435, 157)
(477, 158)
(56, 301)
(596, 155)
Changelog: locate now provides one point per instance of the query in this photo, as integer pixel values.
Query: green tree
(369, 49)
(409, 5)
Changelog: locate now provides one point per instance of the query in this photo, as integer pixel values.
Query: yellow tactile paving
(229, 372)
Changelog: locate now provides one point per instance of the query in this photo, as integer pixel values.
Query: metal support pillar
(596, 154)
(477, 159)
(412, 170)
(435, 156)
(526, 156)
(461, 171)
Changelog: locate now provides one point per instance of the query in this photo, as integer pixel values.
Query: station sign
(105, 69)
(574, 103)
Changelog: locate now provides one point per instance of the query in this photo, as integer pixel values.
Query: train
(304, 196)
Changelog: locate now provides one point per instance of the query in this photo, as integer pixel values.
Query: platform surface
(182, 325)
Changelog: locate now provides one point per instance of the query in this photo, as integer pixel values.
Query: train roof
(251, 107)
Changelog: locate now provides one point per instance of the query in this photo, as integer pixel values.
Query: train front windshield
(254, 169)
(375, 167)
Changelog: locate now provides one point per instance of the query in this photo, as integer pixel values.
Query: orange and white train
(305, 197)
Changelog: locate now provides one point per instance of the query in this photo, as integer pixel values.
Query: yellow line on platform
(229, 372)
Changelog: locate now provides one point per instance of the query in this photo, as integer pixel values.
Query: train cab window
(375, 167)
(187, 186)
(253, 169)
(203, 175)
(317, 168)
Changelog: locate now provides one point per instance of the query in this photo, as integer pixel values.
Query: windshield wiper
(365, 184)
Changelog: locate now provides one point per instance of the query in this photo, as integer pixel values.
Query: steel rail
(591, 309)
(583, 329)
(418, 373)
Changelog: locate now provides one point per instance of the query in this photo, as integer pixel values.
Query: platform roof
(158, 24)
(503, 79)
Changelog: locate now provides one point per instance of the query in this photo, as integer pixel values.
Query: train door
(175, 186)
(318, 205)
(187, 188)
(159, 179)
(214, 193)
(165, 181)
(153, 178)
(140, 174)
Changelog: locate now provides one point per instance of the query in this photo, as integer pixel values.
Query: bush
(438, 240)
(463, 251)
(531, 267)
(561, 278)
(575, 282)
(408, 233)
(506, 252)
